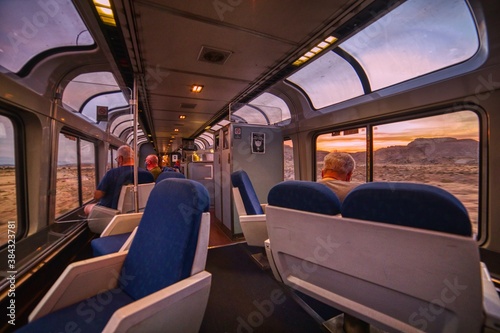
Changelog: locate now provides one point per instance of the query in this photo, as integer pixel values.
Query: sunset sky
(459, 125)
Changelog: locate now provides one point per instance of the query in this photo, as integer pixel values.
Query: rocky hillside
(424, 151)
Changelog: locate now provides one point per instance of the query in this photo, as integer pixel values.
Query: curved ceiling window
(111, 100)
(122, 127)
(416, 38)
(141, 138)
(328, 80)
(205, 140)
(267, 109)
(83, 87)
(29, 28)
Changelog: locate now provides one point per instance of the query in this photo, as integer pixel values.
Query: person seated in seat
(104, 193)
(337, 173)
(152, 165)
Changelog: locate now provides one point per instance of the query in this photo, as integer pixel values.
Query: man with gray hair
(104, 193)
(337, 173)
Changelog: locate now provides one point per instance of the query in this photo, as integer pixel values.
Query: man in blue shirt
(104, 194)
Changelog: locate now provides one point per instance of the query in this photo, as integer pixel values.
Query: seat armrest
(167, 308)
(200, 256)
(254, 229)
(128, 242)
(96, 274)
(122, 223)
(491, 301)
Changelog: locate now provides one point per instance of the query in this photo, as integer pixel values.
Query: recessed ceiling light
(196, 88)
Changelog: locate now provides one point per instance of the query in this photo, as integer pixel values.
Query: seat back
(169, 174)
(143, 176)
(305, 196)
(251, 203)
(395, 277)
(164, 246)
(126, 201)
(408, 204)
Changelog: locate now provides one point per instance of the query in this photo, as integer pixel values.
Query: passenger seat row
(397, 255)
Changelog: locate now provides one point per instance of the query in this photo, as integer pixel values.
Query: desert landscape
(448, 163)
(67, 192)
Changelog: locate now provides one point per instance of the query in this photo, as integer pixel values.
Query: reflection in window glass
(352, 141)
(28, 28)
(328, 80)
(288, 166)
(67, 197)
(441, 150)
(87, 164)
(418, 37)
(8, 194)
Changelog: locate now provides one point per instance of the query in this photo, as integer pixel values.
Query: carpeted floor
(245, 299)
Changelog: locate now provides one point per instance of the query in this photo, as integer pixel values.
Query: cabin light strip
(105, 12)
(315, 50)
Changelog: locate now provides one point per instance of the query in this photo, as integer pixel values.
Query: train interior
(246, 98)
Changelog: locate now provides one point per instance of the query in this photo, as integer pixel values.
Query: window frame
(21, 173)
(79, 137)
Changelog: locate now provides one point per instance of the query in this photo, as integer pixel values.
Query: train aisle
(246, 299)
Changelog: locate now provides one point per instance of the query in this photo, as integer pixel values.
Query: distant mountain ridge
(425, 151)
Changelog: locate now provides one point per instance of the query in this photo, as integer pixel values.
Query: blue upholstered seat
(408, 204)
(383, 273)
(241, 181)
(169, 174)
(161, 254)
(305, 196)
(108, 244)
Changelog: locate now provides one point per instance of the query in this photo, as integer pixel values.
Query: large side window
(288, 167)
(8, 192)
(352, 141)
(441, 150)
(75, 173)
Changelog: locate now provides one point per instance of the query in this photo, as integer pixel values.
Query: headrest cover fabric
(408, 204)
(250, 201)
(164, 246)
(306, 196)
(169, 174)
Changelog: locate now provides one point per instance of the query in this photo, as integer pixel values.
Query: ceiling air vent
(214, 56)
(188, 106)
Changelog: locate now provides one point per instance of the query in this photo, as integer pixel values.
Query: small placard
(102, 113)
(237, 132)
(258, 143)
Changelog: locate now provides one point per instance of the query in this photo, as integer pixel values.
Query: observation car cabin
(218, 88)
